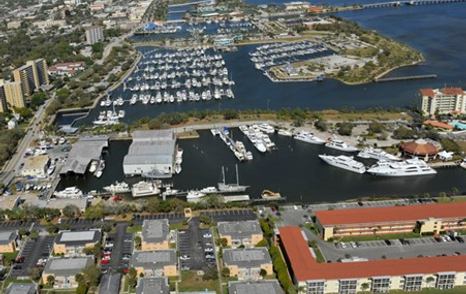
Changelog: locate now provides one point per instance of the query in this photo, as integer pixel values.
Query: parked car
(185, 257)
(207, 235)
(459, 239)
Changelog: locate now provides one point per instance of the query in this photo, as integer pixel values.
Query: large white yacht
(194, 196)
(338, 144)
(70, 192)
(308, 138)
(463, 164)
(375, 153)
(118, 188)
(344, 162)
(410, 167)
(142, 188)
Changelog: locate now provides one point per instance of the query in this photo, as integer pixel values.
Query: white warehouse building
(152, 154)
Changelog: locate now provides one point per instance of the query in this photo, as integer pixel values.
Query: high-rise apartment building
(32, 76)
(443, 101)
(11, 95)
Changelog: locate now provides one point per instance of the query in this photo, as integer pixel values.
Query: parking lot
(196, 247)
(120, 247)
(231, 215)
(15, 225)
(172, 217)
(31, 252)
(81, 224)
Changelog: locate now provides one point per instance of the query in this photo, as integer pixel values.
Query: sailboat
(236, 187)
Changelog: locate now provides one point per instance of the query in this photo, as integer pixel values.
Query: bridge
(408, 3)
(405, 78)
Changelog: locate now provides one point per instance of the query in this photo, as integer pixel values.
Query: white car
(207, 235)
(185, 257)
(209, 249)
(210, 256)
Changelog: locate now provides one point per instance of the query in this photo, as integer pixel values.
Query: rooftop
(153, 259)
(78, 237)
(391, 214)
(155, 231)
(26, 288)
(8, 236)
(82, 152)
(247, 257)
(304, 266)
(256, 287)
(67, 266)
(239, 229)
(36, 162)
(419, 147)
(153, 286)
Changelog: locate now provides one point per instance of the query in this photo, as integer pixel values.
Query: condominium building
(443, 101)
(160, 263)
(424, 218)
(94, 34)
(32, 76)
(73, 243)
(11, 95)
(376, 276)
(244, 233)
(154, 235)
(246, 264)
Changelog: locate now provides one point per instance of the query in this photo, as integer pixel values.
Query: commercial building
(35, 166)
(246, 264)
(73, 243)
(159, 263)
(424, 218)
(66, 69)
(151, 153)
(255, 287)
(11, 95)
(8, 241)
(26, 288)
(377, 276)
(32, 76)
(94, 34)
(246, 233)
(152, 285)
(64, 270)
(85, 150)
(154, 235)
(443, 101)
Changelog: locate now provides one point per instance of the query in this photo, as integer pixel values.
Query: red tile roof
(427, 92)
(438, 124)
(305, 267)
(391, 214)
(419, 148)
(452, 91)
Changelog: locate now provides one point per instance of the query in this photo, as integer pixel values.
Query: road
(10, 168)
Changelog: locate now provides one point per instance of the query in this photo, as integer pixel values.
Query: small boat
(93, 166)
(209, 190)
(100, 169)
(194, 196)
(269, 195)
(463, 164)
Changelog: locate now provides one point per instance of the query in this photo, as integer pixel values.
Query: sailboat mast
(237, 176)
(223, 174)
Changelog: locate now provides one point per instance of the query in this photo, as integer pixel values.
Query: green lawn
(179, 226)
(134, 229)
(190, 281)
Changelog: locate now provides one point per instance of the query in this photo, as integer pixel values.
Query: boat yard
(85, 150)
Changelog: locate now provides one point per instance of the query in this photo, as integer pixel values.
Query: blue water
(438, 31)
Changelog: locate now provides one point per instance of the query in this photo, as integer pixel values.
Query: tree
(225, 272)
(35, 273)
(50, 280)
(450, 145)
(132, 277)
(403, 133)
(365, 286)
(345, 129)
(137, 242)
(71, 211)
(321, 125)
(210, 274)
(263, 273)
(376, 127)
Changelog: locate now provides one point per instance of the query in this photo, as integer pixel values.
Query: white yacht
(410, 167)
(143, 188)
(118, 188)
(285, 132)
(344, 162)
(308, 138)
(93, 166)
(463, 163)
(338, 144)
(51, 169)
(100, 169)
(375, 153)
(70, 192)
(209, 190)
(194, 196)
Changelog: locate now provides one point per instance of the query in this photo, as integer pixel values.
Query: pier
(405, 78)
(408, 3)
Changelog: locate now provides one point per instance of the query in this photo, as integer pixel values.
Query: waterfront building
(65, 269)
(153, 285)
(66, 69)
(73, 243)
(32, 76)
(247, 263)
(443, 101)
(438, 125)
(245, 233)
(151, 153)
(21, 288)
(83, 152)
(8, 241)
(256, 287)
(420, 148)
(35, 166)
(423, 218)
(159, 263)
(94, 34)
(11, 95)
(376, 276)
(154, 235)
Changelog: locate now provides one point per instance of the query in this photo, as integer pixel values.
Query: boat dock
(445, 164)
(235, 198)
(237, 147)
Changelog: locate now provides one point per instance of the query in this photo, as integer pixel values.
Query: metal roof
(78, 237)
(67, 266)
(7, 236)
(239, 229)
(151, 147)
(82, 152)
(153, 259)
(255, 287)
(249, 257)
(155, 231)
(153, 286)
